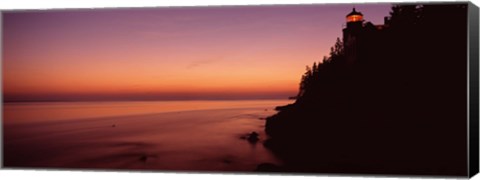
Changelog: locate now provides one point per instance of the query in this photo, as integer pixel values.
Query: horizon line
(138, 100)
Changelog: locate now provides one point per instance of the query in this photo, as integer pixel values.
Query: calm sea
(153, 135)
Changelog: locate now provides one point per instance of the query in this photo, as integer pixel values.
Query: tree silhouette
(399, 108)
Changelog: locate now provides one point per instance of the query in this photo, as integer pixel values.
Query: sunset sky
(242, 52)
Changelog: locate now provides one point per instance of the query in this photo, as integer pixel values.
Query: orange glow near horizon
(148, 75)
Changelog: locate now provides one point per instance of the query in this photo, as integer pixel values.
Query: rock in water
(143, 158)
(268, 167)
(253, 137)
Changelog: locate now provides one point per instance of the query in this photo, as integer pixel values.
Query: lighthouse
(360, 36)
(352, 33)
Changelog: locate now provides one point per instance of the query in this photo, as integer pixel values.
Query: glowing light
(354, 18)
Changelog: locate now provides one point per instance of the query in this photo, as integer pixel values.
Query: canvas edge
(473, 99)
(2, 141)
(472, 91)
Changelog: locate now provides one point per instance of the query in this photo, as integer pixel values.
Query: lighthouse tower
(352, 33)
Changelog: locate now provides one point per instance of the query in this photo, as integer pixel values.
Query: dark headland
(390, 99)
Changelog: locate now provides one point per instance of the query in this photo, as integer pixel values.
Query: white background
(51, 174)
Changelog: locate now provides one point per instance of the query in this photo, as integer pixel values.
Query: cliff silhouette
(396, 106)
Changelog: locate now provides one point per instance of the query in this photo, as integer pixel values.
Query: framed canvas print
(369, 89)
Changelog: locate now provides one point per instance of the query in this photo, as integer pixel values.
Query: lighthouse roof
(354, 12)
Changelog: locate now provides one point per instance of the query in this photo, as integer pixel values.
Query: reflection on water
(169, 135)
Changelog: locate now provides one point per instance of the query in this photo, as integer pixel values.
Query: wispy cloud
(199, 63)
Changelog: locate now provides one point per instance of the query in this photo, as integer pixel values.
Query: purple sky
(241, 51)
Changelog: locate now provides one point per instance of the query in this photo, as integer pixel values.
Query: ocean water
(137, 135)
